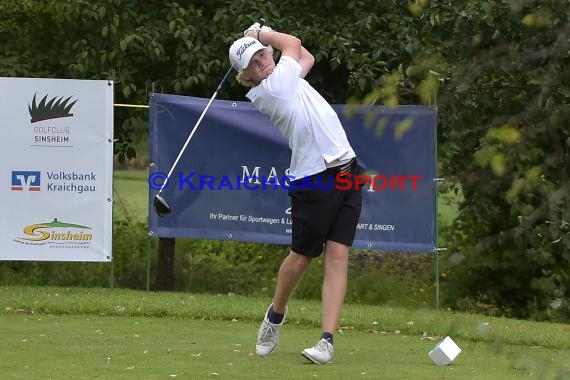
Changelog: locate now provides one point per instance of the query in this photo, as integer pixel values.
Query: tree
(503, 99)
(497, 70)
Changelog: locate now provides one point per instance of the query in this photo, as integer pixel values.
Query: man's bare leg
(290, 273)
(334, 284)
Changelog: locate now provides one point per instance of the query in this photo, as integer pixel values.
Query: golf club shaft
(260, 22)
(194, 130)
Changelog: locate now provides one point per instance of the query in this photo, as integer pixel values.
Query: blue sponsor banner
(231, 182)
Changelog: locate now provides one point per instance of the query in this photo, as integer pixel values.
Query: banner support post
(436, 247)
(112, 279)
(437, 287)
(148, 260)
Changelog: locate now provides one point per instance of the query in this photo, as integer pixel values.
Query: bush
(127, 270)
(204, 266)
(397, 279)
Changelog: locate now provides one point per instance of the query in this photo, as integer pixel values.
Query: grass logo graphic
(56, 233)
(54, 108)
(25, 180)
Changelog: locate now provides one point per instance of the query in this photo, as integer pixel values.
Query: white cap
(242, 50)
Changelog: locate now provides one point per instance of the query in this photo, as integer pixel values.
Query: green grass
(131, 194)
(160, 348)
(126, 334)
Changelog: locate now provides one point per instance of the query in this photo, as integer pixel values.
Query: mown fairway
(121, 334)
(131, 193)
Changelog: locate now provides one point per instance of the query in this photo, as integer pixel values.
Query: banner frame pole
(436, 248)
(436, 242)
(112, 279)
(111, 80)
(148, 261)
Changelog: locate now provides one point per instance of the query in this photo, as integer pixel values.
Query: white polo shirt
(304, 117)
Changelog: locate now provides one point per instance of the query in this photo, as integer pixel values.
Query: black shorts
(320, 211)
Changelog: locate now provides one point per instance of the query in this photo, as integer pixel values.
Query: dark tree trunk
(164, 273)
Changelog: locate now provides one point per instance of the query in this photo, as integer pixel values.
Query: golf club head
(161, 207)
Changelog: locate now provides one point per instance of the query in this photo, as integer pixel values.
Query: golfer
(323, 219)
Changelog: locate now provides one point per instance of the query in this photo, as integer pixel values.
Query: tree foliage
(497, 70)
(503, 96)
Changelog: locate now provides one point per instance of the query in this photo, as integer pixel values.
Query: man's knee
(336, 254)
(299, 261)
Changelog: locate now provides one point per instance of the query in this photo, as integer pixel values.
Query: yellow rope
(131, 105)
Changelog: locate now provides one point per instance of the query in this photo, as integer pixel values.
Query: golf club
(161, 206)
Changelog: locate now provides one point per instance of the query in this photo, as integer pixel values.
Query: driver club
(161, 206)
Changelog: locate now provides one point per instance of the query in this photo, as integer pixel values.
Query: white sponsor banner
(56, 167)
